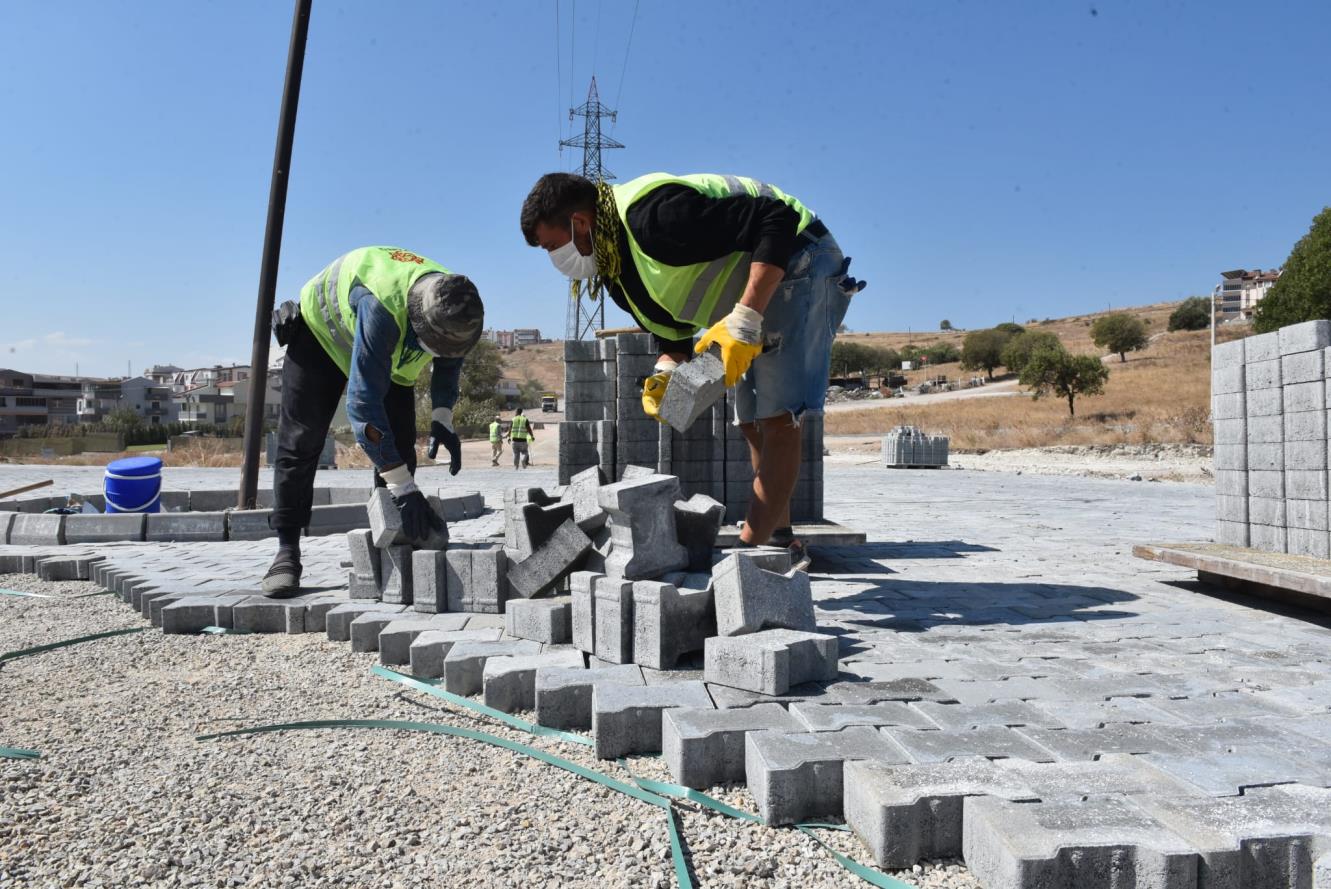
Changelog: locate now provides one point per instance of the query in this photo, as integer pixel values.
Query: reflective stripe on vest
(519, 428)
(494, 433)
(327, 297)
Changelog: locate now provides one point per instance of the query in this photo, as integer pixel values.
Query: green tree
(1010, 328)
(851, 358)
(1194, 313)
(482, 370)
(945, 324)
(942, 353)
(530, 392)
(1060, 373)
(983, 350)
(1019, 349)
(1119, 332)
(1303, 291)
(123, 419)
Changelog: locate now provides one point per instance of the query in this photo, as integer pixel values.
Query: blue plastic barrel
(134, 484)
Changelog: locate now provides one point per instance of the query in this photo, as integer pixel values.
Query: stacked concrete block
(612, 605)
(750, 598)
(1303, 394)
(397, 637)
(582, 493)
(626, 719)
(508, 682)
(550, 563)
(589, 381)
(1229, 413)
(704, 748)
(429, 649)
(642, 527)
(396, 588)
(911, 447)
(464, 664)
(584, 445)
(1264, 455)
(669, 622)
(540, 620)
(476, 578)
(770, 661)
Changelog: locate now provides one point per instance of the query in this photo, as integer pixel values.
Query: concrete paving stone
(797, 776)
(533, 524)
(429, 649)
(704, 748)
(366, 627)
(509, 682)
(582, 488)
(38, 529)
(185, 527)
(612, 599)
(1098, 844)
(694, 387)
(1094, 714)
(362, 588)
(396, 588)
(1229, 774)
(148, 596)
(87, 528)
(249, 524)
(1075, 744)
(341, 495)
(564, 694)
(385, 519)
(1317, 727)
(464, 664)
(550, 563)
(476, 578)
(642, 527)
(1260, 403)
(770, 661)
(627, 719)
(1307, 336)
(956, 717)
(429, 580)
(1268, 837)
(748, 598)
(193, 613)
(815, 717)
(991, 741)
(260, 615)
(697, 523)
(540, 620)
(583, 609)
(154, 606)
(396, 638)
(670, 621)
(65, 567)
(907, 813)
(437, 538)
(317, 608)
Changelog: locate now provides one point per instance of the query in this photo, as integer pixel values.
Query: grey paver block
(549, 563)
(1305, 337)
(697, 523)
(6, 522)
(337, 622)
(989, 741)
(430, 648)
(749, 598)
(693, 388)
(540, 620)
(477, 579)
(260, 615)
(317, 608)
(437, 538)
(396, 588)
(642, 527)
(581, 492)
(86, 528)
(564, 694)
(770, 661)
(396, 638)
(365, 628)
(1098, 844)
(796, 776)
(509, 682)
(192, 614)
(613, 624)
(385, 519)
(967, 716)
(1072, 744)
(670, 621)
(816, 717)
(249, 524)
(704, 748)
(627, 719)
(464, 665)
(1093, 714)
(186, 526)
(37, 529)
(429, 580)
(582, 593)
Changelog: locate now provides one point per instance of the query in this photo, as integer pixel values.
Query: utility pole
(584, 319)
(272, 249)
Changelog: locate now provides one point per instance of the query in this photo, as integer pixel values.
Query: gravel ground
(124, 796)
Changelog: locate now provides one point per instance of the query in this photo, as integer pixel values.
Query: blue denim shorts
(790, 376)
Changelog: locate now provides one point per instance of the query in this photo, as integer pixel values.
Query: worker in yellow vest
(496, 440)
(735, 257)
(370, 323)
(519, 435)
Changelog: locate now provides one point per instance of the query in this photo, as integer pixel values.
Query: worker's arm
(370, 379)
(444, 389)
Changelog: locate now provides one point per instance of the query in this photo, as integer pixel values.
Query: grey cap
(447, 313)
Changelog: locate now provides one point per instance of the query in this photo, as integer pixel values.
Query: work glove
(739, 336)
(654, 387)
(418, 519)
(441, 433)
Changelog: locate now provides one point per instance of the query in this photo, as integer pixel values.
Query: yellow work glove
(654, 388)
(739, 335)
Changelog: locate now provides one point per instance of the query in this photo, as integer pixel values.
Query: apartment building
(1240, 290)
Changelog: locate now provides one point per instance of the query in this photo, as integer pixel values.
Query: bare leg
(775, 448)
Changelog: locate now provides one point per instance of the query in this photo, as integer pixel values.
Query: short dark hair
(553, 199)
(519, 410)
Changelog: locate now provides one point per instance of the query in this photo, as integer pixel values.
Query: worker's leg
(752, 433)
(517, 454)
(774, 478)
(400, 405)
(312, 384)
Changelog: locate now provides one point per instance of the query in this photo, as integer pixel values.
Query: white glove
(399, 481)
(443, 416)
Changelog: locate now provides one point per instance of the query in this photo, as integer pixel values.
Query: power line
(628, 46)
(559, 77)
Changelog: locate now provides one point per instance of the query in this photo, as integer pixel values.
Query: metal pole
(272, 248)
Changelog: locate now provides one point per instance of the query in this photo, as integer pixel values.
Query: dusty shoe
(800, 559)
(283, 577)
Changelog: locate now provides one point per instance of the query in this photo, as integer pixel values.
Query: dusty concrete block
(509, 682)
(990, 741)
(1303, 367)
(6, 522)
(550, 563)
(1265, 511)
(1305, 426)
(1101, 843)
(627, 719)
(317, 608)
(1266, 484)
(697, 523)
(429, 649)
(749, 598)
(1303, 397)
(705, 747)
(1305, 484)
(429, 581)
(1088, 744)
(1305, 542)
(1261, 430)
(385, 520)
(581, 492)
(396, 638)
(396, 565)
(249, 524)
(581, 586)
(613, 630)
(477, 579)
(814, 717)
(1225, 380)
(642, 527)
(797, 776)
(193, 613)
(669, 622)
(365, 627)
(1228, 406)
(1260, 403)
(260, 615)
(37, 529)
(437, 539)
(770, 661)
(540, 620)
(564, 694)
(1305, 337)
(186, 526)
(86, 528)
(1231, 509)
(1230, 354)
(1267, 538)
(1262, 347)
(1262, 375)
(693, 388)
(464, 664)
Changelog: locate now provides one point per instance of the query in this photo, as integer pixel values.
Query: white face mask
(572, 263)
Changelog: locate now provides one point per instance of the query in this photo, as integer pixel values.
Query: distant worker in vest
(520, 437)
(370, 323)
(740, 259)
(496, 440)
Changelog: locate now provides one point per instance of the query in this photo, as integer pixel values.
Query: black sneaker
(283, 577)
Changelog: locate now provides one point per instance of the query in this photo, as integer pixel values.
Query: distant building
(1240, 290)
(510, 339)
(37, 400)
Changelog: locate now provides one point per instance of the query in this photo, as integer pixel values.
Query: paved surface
(1009, 616)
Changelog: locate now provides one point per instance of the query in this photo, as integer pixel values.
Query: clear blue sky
(980, 160)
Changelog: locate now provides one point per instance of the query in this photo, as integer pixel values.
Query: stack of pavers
(605, 427)
(1269, 405)
(909, 447)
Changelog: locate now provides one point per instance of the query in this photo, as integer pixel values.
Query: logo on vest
(406, 256)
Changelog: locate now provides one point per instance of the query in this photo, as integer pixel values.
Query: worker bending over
(739, 258)
(520, 437)
(370, 322)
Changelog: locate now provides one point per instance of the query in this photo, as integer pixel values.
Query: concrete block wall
(604, 426)
(1269, 407)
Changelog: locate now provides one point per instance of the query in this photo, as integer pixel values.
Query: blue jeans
(790, 376)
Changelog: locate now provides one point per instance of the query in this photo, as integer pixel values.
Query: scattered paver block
(385, 520)
(770, 661)
(990, 741)
(968, 716)
(396, 588)
(477, 579)
(337, 622)
(260, 615)
(582, 592)
(37, 529)
(697, 523)
(396, 638)
(613, 629)
(814, 717)
(165, 527)
(797, 776)
(429, 649)
(582, 493)
(464, 665)
(365, 628)
(429, 580)
(749, 598)
(509, 682)
(540, 620)
(564, 694)
(534, 523)
(704, 748)
(627, 719)
(642, 527)
(693, 388)
(905, 813)
(670, 622)
(549, 563)
(88, 528)
(365, 559)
